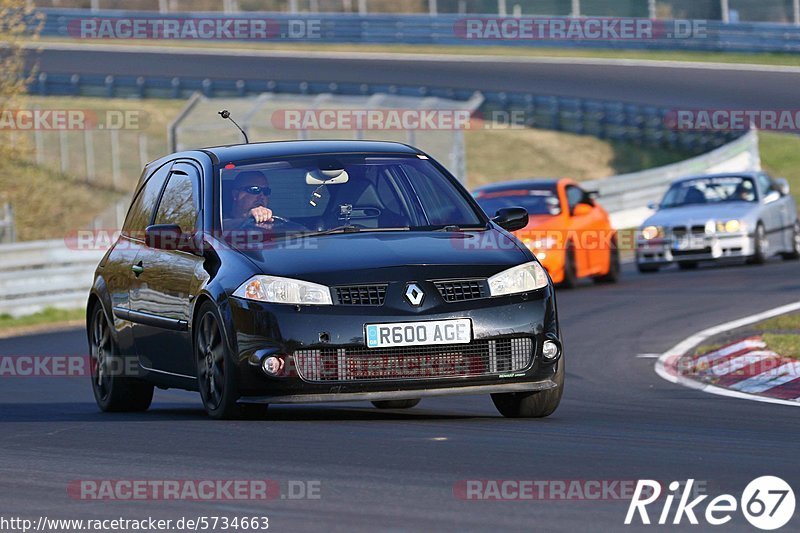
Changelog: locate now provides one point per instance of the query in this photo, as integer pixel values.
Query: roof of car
(243, 152)
(519, 184)
(746, 174)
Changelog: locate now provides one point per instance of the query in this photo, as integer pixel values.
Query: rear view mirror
(582, 210)
(511, 218)
(327, 177)
(169, 237)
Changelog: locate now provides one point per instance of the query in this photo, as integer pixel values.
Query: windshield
(710, 191)
(330, 193)
(542, 201)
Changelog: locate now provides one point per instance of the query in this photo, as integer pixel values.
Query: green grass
(780, 156)
(706, 348)
(784, 59)
(47, 316)
(786, 345)
(781, 323)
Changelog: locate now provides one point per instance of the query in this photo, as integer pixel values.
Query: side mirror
(582, 210)
(783, 186)
(511, 218)
(169, 237)
(653, 206)
(772, 196)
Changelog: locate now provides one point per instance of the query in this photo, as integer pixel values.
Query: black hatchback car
(316, 271)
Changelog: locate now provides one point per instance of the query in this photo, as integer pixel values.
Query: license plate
(454, 331)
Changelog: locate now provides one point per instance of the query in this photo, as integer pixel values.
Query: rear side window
(144, 204)
(180, 201)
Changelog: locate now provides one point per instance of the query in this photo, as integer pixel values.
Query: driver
(250, 197)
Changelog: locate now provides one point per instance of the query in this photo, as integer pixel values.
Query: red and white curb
(743, 369)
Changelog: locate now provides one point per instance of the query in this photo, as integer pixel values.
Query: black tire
(795, 253)
(759, 256)
(614, 266)
(687, 265)
(532, 404)
(570, 280)
(646, 269)
(216, 370)
(396, 404)
(113, 392)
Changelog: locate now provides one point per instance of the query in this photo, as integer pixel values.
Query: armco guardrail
(35, 275)
(39, 274)
(626, 196)
(442, 30)
(617, 121)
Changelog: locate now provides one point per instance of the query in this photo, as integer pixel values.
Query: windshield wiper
(347, 229)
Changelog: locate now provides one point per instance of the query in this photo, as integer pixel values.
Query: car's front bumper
(698, 248)
(256, 328)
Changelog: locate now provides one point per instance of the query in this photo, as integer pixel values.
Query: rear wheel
(396, 404)
(570, 270)
(795, 253)
(216, 376)
(760, 244)
(532, 404)
(614, 266)
(687, 265)
(112, 391)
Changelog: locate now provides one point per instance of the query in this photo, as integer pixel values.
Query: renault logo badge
(414, 294)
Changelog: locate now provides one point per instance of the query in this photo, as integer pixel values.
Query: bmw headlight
(730, 226)
(277, 290)
(652, 232)
(521, 278)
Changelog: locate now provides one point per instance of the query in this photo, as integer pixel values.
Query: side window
(145, 202)
(180, 201)
(574, 197)
(765, 184)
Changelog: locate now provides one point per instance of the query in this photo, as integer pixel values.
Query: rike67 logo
(767, 503)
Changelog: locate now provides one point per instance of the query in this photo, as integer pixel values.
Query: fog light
(272, 366)
(550, 350)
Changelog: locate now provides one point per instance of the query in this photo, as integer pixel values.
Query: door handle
(137, 268)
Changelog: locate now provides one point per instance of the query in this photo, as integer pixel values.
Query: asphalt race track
(697, 87)
(397, 469)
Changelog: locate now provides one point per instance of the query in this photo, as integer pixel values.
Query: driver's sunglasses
(255, 190)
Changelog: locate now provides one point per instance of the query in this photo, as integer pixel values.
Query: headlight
(652, 232)
(521, 278)
(284, 291)
(731, 226)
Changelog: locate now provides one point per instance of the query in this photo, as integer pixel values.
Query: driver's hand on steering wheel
(261, 214)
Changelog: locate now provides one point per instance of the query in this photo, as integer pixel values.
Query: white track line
(391, 56)
(664, 363)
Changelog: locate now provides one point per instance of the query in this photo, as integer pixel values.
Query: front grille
(679, 231)
(699, 251)
(477, 358)
(698, 230)
(461, 290)
(361, 294)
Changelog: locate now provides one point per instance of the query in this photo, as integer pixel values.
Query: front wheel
(216, 375)
(532, 404)
(113, 391)
(570, 280)
(760, 245)
(396, 404)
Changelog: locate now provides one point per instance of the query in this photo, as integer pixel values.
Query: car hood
(388, 256)
(699, 214)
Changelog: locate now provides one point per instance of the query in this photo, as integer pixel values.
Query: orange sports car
(568, 231)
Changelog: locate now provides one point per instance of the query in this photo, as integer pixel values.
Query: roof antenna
(227, 114)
